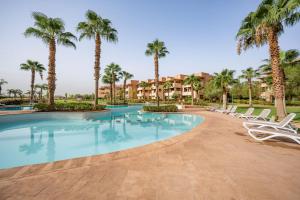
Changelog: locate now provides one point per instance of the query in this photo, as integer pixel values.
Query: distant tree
(33, 67)
(223, 80)
(249, 74)
(192, 80)
(107, 79)
(2, 82)
(144, 85)
(114, 71)
(126, 76)
(167, 86)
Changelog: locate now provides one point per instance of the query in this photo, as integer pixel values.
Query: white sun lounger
(247, 114)
(283, 125)
(265, 134)
(232, 111)
(263, 115)
(224, 110)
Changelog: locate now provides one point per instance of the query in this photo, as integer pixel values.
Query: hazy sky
(200, 35)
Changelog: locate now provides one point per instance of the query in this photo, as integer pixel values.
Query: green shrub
(293, 103)
(12, 101)
(117, 102)
(165, 108)
(71, 106)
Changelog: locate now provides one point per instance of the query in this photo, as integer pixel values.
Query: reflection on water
(46, 139)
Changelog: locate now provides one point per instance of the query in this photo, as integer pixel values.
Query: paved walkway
(216, 160)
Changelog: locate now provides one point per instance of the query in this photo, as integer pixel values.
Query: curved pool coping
(96, 160)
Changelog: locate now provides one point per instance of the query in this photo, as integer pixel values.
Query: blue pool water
(15, 108)
(45, 137)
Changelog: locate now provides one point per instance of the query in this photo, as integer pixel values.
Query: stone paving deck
(216, 160)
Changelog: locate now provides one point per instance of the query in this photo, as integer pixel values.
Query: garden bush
(164, 108)
(72, 106)
(13, 101)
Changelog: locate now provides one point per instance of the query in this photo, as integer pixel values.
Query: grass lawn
(258, 108)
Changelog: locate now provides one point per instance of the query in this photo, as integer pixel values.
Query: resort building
(267, 93)
(134, 90)
(104, 91)
(131, 89)
(178, 88)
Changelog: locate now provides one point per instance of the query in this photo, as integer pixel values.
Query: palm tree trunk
(111, 93)
(97, 67)
(51, 73)
(224, 98)
(250, 93)
(114, 88)
(278, 86)
(156, 77)
(168, 94)
(124, 89)
(144, 94)
(32, 85)
(192, 94)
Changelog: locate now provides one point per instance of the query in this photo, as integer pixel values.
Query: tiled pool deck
(216, 160)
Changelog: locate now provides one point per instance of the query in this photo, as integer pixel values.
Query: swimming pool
(45, 137)
(15, 108)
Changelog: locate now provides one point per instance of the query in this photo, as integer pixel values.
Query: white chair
(224, 110)
(263, 115)
(247, 114)
(283, 125)
(265, 134)
(232, 111)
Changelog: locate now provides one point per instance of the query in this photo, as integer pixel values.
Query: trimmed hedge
(165, 108)
(73, 106)
(12, 101)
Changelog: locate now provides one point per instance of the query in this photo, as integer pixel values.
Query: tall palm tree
(191, 80)
(97, 28)
(107, 79)
(223, 80)
(2, 82)
(114, 71)
(263, 26)
(52, 32)
(167, 86)
(158, 50)
(126, 76)
(248, 75)
(33, 67)
(144, 85)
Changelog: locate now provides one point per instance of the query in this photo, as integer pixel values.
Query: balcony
(177, 85)
(186, 93)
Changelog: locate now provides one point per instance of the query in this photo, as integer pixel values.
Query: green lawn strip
(258, 108)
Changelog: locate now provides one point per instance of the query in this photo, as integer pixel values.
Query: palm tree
(2, 82)
(191, 80)
(107, 79)
(144, 85)
(114, 71)
(126, 76)
(19, 92)
(52, 32)
(248, 75)
(158, 50)
(33, 66)
(223, 80)
(167, 85)
(263, 26)
(197, 87)
(9, 92)
(42, 87)
(97, 28)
